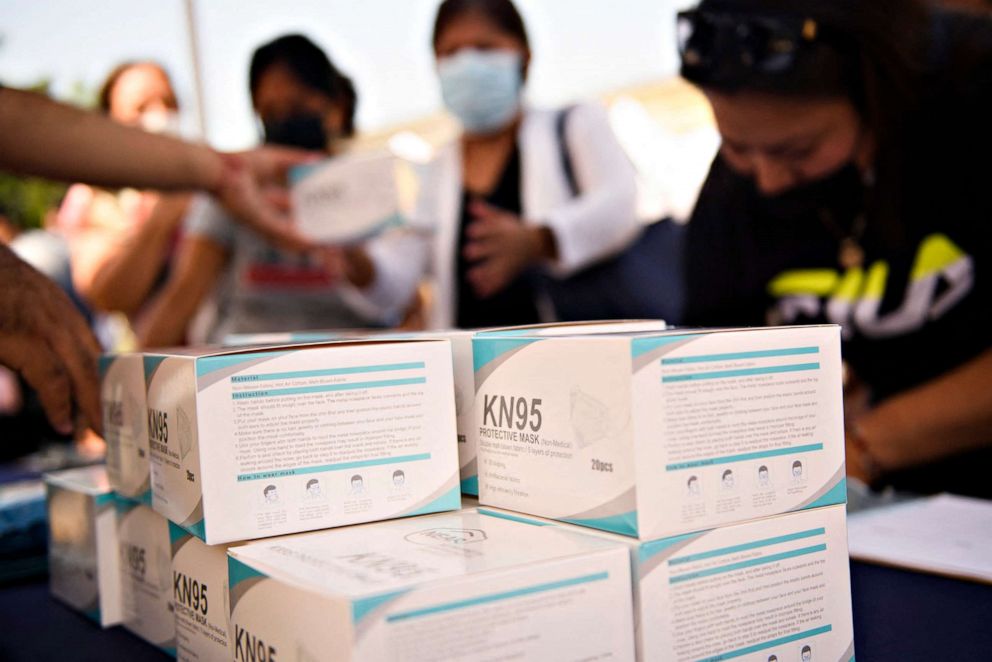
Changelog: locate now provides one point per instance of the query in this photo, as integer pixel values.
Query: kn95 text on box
(263, 442)
(655, 434)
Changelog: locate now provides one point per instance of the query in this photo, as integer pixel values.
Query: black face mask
(842, 193)
(303, 131)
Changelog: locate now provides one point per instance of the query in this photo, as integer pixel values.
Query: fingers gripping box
(447, 587)
(770, 589)
(146, 574)
(255, 443)
(122, 394)
(652, 435)
(200, 598)
(83, 556)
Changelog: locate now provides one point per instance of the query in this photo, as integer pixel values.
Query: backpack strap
(561, 121)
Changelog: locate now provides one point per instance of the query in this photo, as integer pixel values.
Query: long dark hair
(874, 52)
(501, 13)
(311, 66)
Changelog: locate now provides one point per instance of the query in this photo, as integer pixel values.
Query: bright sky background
(581, 48)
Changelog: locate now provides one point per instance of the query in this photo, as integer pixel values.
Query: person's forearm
(127, 276)
(948, 415)
(95, 150)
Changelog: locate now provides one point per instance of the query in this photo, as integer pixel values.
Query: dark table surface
(898, 615)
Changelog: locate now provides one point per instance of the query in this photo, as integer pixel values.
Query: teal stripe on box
(640, 346)
(327, 372)
(512, 518)
(496, 597)
(648, 549)
(625, 523)
(207, 364)
(733, 356)
(743, 372)
(238, 572)
(364, 606)
(102, 499)
(733, 549)
(104, 363)
(836, 495)
(326, 388)
(470, 486)
(198, 529)
(487, 349)
(750, 563)
(340, 466)
(150, 364)
(451, 500)
(176, 533)
(740, 652)
(743, 457)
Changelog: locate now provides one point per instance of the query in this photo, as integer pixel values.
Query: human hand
(500, 246)
(857, 403)
(45, 339)
(350, 263)
(252, 187)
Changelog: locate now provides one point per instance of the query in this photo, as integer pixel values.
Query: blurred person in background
(43, 337)
(844, 192)
(497, 212)
(121, 240)
(303, 101)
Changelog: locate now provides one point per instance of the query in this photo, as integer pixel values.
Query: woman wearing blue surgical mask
(502, 211)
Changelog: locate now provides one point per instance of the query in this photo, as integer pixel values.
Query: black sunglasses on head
(766, 43)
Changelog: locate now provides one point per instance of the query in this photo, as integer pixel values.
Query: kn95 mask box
(146, 574)
(762, 590)
(122, 395)
(347, 199)
(461, 342)
(458, 586)
(655, 434)
(200, 598)
(83, 556)
(275, 440)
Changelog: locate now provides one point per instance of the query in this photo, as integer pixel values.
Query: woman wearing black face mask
(843, 193)
(303, 101)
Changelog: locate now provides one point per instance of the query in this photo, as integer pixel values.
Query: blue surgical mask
(482, 88)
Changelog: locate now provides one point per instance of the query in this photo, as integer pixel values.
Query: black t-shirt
(919, 306)
(515, 304)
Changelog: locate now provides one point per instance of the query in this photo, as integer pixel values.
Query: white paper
(347, 199)
(945, 534)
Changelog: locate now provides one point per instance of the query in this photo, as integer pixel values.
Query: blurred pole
(194, 51)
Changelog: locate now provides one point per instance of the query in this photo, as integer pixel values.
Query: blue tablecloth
(898, 615)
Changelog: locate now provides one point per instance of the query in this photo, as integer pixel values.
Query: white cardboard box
(347, 199)
(653, 435)
(468, 431)
(457, 586)
(146, 574)
(749, 591)
(122, 395)
(268, 441)
(200, 598)
(83, 556)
